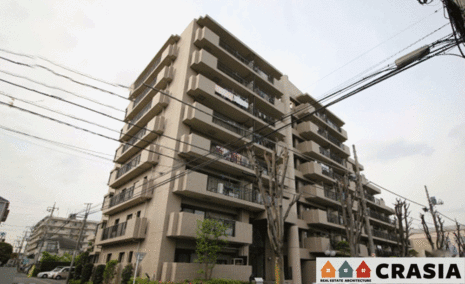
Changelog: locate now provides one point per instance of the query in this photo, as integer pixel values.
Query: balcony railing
(384, 235)
(243, 103)
(114, 231)
(381, 217)
(139, 82)
(234, 190)
(327, 171)
(141, 113)
(230, 224)
(373, 199)
(233, 126)
(134, 139)
(249, 84)
(335, 219)
(263, 141)
(142, 95)
(332, 156)
(241, 58)
(128, 166)
(331, 195)
(222, 67)
(234, 52)
(228, 155)
(325, 118)
(122, 197)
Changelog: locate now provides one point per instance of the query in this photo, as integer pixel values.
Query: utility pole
(20, 249)
(364, 205)
(438, 224)
(51, 210)
(78, 244)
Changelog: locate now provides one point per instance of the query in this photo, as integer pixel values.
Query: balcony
(160, 82)
(184, 225)
(314, 170)
(314, 150)
(142, 138)
(311, 131)
(322, 218)
(231, 103)
(321, 196)
(167, 54)
(381, 218)
(200, 186)
(140, 163)
(384, 235)
(131, 230)
(323, 120)
(227, 50)
(153, 108)
(129, 198)
(178, 272)
(317, 244)
(223, 73)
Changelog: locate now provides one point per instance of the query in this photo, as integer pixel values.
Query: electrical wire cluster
(176, 172)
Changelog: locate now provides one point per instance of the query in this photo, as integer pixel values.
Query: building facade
(217, 96)
(420, 243)
(58, 235)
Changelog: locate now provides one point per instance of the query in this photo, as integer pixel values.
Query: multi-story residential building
(215, 91)
(4, 211)
(421, 245)
(61, 234)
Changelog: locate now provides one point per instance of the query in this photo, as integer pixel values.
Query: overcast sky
(409, 130)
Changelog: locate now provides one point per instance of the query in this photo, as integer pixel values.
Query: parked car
(48, 274)
(62, 273)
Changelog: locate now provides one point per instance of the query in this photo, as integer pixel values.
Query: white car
(48, 274)
(61, 274)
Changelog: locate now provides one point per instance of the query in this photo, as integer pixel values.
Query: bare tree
(404, 224)
(353, 220)
(272, 194)
(459, 240)
(426, 231)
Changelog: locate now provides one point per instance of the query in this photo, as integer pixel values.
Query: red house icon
(363, 271)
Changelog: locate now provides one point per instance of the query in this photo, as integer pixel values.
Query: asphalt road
(8, 275)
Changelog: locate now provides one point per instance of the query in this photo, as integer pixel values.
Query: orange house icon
(328, 271)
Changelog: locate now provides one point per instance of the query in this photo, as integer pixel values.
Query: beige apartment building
(421, 245)
(228, 92)
(62, 233)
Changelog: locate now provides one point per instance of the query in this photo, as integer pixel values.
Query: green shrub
(35, 271)
(73, 281)
(126, 274)
(77, 272)
(97, 276)
(86, 272)
(110, 271)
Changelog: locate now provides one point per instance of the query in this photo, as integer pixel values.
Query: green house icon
(346, 271)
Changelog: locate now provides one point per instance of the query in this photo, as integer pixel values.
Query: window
(138, 214)
(129, 217)
(117, 221)
(120, 256)
(108, 257)
(130, 257)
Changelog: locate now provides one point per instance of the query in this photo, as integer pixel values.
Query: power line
(52, 141)
(60, 89)
(64, 67)
(63, 76)
(367, 51)
(77, 127)
(55, 143)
